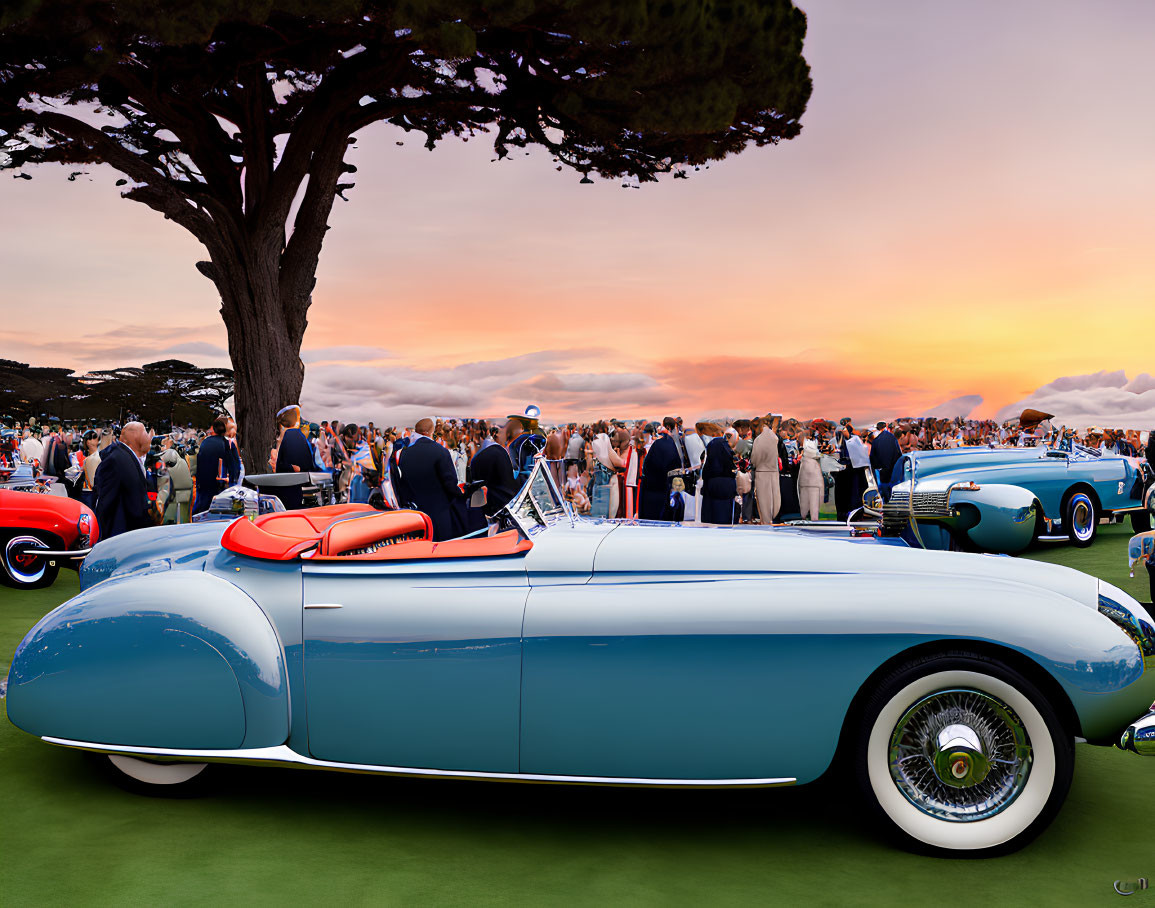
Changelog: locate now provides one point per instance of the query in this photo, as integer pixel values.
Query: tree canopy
(170, 391)
(232, 118)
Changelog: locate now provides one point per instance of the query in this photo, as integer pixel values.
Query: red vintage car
(39, 533)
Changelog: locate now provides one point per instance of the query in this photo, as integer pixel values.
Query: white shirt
(574, 448)
(32, 448)
(859, 456)
(695, 449)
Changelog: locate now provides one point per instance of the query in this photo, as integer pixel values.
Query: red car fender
(53, 514)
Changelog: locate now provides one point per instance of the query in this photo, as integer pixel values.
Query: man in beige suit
(764, 463)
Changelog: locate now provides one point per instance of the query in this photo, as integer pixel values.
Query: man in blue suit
(427, 481)
(119, 484)
(884, 454)
(294, 455)
(663, 456)
(216, 467)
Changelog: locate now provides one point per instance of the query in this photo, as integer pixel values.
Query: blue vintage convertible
(1002, 499)
(952, 688)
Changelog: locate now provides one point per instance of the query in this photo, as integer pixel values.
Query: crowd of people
(714, 471)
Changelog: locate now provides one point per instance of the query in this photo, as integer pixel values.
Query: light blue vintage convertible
(1003, 499)
(950, 689)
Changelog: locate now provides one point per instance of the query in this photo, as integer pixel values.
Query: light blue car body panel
(124, 662)
(422, 660)
(620, 650)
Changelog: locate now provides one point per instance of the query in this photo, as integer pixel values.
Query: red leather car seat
(366, 535)
(357, 533)
(284, 535)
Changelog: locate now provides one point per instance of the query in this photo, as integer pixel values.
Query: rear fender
(182, 660)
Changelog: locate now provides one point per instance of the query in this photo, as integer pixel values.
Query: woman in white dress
(809, 477)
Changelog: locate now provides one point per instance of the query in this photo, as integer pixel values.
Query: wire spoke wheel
(960, 755)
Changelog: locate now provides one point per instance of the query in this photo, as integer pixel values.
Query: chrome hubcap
(22, 564)
(1082, 516)
(959, 760)
(960, 755)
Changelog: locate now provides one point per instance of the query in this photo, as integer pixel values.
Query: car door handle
(323, 605)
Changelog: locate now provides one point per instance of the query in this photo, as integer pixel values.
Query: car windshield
(538, 503)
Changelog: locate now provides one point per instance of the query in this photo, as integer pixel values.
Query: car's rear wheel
(154, 777)
(962, 755)
(1081, 518)
(22, 568)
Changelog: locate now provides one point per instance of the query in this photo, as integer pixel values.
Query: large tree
(232, 118)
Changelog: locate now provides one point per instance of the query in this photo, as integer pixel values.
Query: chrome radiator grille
(927, 505)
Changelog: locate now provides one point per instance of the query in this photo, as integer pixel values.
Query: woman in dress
(604, 486)
(809, 477)
(719, 486)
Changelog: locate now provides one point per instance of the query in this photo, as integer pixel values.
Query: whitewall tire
(960, 754)
(153, 778)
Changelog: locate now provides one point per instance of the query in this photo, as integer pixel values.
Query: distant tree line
(159, 394)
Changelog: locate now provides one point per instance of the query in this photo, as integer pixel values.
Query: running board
(285, 757)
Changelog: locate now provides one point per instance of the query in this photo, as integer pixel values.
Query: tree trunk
(265, 349)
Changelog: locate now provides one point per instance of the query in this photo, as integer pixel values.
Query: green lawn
(283, 837)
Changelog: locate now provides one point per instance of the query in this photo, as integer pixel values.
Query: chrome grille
(927, 505)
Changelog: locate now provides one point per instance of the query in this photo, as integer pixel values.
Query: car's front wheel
(21, 566)
(1081, 518)
(155, 778)
(961, 755)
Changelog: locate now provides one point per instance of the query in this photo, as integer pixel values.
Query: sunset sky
(970, 210)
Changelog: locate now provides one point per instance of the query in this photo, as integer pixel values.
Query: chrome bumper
(1139, 736)
(66, 554)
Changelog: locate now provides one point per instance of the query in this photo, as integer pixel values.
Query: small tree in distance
(232, 118)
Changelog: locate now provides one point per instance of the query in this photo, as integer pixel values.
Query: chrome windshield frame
(526, 511)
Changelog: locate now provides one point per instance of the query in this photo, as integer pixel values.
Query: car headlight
(1138, 629)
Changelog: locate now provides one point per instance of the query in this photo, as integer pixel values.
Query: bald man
(426, 481)
(119, 484)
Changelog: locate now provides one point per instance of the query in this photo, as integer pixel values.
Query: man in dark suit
(294, 455)
(119, 485)
(493, 466)
(427, 482)
(663, 456)
(216, 468)
(884, 454)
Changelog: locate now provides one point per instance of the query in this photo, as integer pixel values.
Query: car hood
(655, 553)
(152, 549)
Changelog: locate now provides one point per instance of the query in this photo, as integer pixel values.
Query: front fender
(181, 660)
(1006, 516)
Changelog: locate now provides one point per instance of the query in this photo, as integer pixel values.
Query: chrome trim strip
(323, 605)
(282, 755)
(58, 553)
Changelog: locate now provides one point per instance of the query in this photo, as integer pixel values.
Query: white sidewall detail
(15, 571)
(962, 835)
(156, 773)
